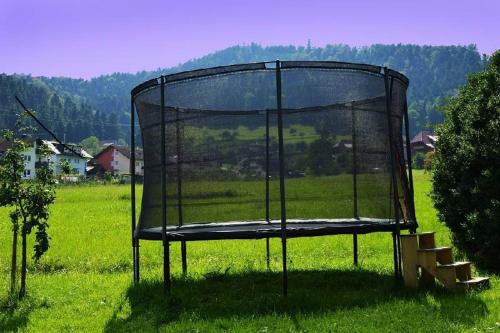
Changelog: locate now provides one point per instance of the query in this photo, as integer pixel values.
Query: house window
(27, 172)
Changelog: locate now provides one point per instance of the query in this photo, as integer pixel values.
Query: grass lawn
(83, 283)
(293, 133)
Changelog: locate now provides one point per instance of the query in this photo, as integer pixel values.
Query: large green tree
(466, 175)
(91, 145)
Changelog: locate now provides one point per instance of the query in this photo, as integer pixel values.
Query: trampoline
(272, 149)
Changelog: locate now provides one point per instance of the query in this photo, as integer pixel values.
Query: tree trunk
(22, 291)
(13, 270)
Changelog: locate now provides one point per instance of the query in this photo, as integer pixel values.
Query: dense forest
(79, 108)
(65, 114)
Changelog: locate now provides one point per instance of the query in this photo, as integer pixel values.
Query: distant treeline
(101, 106)
(65, 114)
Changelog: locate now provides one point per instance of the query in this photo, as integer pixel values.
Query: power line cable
(46, 129)
(10, 114)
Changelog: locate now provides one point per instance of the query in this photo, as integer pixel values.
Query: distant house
(77, 162)
(59, 153)
(341, 147)
(116, 159)
(423, 142)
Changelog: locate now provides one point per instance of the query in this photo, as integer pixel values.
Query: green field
(293, 133)
(306, 197)
(83, 283)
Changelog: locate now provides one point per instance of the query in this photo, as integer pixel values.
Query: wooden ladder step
(475, 283)
(456, 264)
(420, 254)
(444, 254)
(419, 233)
(409, 247)
(447, 275)
(462, 269)
(426, 240)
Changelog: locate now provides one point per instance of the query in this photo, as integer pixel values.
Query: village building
(423, 142)
(59, 153)
(116, 159)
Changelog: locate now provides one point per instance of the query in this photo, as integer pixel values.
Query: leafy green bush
(429, 158)
(466, 175)
(418, 160)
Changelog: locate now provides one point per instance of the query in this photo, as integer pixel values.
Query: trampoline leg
(184, 257)
(268, 254)
(166, 267)
(134, 262)
(400, 263)
(285, 272)
(395, 250)
(137, 262)
(355, 248)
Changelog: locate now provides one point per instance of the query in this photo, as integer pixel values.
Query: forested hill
(64, 113)
(434, 71)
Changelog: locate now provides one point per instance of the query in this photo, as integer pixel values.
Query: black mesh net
(222, 145)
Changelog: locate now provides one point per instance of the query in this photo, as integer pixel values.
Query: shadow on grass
(255, 294)
(14, 313)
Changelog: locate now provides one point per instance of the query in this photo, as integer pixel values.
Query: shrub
(466, 175)
(429, 157)
(418, 161)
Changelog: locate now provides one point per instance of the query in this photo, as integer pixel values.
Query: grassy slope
(83, 282)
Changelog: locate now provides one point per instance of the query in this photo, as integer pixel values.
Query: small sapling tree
(29, 200)
(11, 169)
(65, 167)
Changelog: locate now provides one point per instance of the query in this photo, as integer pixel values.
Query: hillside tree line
(100, 106)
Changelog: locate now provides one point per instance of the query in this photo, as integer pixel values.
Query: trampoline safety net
(343, 153)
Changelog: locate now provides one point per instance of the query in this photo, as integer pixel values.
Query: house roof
(4, 144)
(126, 151)
(425, 137)
(55, 147)
(59, 149)
(123, 150)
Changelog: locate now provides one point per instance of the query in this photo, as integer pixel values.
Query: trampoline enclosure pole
(178, 137)
(354, 183)
(394, 194)
(267, 188)
(132, 189)
(282, 177)
(166, 245)
(354, 164)
(410, 172)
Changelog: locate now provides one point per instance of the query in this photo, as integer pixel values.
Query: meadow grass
(307, 197)
(293, 133)
(83, 283)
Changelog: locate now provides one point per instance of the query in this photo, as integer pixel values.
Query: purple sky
(85, 38)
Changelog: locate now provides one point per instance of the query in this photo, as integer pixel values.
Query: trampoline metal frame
(388, 76)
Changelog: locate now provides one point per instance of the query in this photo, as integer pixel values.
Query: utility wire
(46, 129)
(8, 113)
